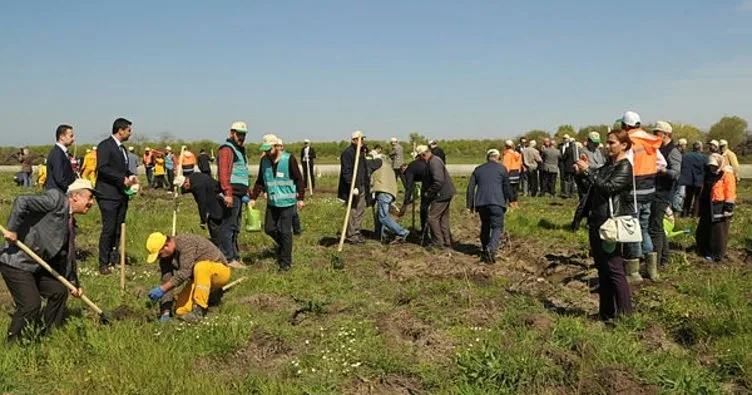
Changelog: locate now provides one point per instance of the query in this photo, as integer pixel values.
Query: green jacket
(383, 179)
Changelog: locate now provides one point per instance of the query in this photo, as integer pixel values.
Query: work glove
(246, 199)
(156, 293)
(164, 317)
(355, 192)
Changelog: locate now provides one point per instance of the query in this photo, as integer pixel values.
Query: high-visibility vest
(280, 188)
(189, 159)
(239, 175)
(512, 161)
(645, 148)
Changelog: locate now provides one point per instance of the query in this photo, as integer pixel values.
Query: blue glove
(246, 199)
(156, 293)
(164, 318)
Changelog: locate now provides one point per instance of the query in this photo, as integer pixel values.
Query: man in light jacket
(488, 192)
(384, 185)
(531, 159)
(397, 157)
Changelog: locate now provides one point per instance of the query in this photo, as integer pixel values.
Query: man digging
(189, 260)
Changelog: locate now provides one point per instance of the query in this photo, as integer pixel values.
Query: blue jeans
(677, 200)
(384, 200)
(229, 229)
(638, 250)
(491, 227)
(26, 179)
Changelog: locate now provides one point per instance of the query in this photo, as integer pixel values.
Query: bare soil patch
(615, 380)
(388, 385)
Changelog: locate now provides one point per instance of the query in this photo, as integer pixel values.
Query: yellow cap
(154, 244)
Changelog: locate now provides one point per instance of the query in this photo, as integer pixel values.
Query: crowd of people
(633, 181)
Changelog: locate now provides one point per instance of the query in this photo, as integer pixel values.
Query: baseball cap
(509, 143)
(154, 243)
(663, 126)
(682, 141)
(168, 148)
(147, 149)
(267, 142)
(723, 143)
(88, 150)
(357, 134)
(419, 150)
(432, 142)
(279, 142)
(94, 148)
(630, 118)
(492, 152)
(566, 137)
(594, 137)
(714, 142)
(393, 140)
(306, 141)
(239, 127)
(131, 148)
(79, 184)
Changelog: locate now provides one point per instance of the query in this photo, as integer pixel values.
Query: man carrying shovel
(360, 191)
(191, 260)
(44, 223)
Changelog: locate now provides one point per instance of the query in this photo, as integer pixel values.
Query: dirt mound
(390, 384)
(656, 338)
(615, 380)
(402, 327)
(540, 322)
(267, 302)
(264, 351)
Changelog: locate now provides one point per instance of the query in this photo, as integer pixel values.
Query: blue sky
(320, 69)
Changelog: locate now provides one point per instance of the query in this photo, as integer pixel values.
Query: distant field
(401, 319)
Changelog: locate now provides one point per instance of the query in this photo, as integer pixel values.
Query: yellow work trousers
(207, 277)
(90, 175)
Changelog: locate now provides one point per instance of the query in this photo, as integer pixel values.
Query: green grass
(399, 319)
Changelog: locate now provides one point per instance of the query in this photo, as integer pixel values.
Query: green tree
(537, 134)
(417, 139)
(602, 130)
(564, 129)
(730, 129)
(686, 131)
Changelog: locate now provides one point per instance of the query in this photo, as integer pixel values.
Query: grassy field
(400, 319)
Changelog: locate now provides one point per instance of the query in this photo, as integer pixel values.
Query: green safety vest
(280, 188)
(239, 173)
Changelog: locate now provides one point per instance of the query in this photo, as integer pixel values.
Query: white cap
(239, 126)
(168, 148)
(432, 142)
(682, 141)
(147, 149)
(131, 149)
(306, 141)
(94, 148)
(279, 141)
(714, 142)
(509, 143)
(492, 152)
(79, 184)
(419, 150)
(356, 134)
(723, 143)
(532, 144)
(630, 118)
(393, 140)
(663, 126)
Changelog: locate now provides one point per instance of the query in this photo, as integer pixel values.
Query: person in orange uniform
(717, 200)
(512, 161)
(644, 158)
(189, 162)
(89, 167)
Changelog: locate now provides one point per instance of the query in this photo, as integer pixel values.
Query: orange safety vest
(645, 147)
(723, 192)
(512, 161)
(189, 159)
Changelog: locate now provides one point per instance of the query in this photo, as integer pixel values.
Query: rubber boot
(633, 271)
(651, 263)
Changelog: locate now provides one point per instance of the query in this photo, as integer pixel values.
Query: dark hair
(622, 136)
(120, 123)
(377, 146)
(61, 131)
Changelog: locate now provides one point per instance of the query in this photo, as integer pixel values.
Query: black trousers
(655, 228)
(613, 291)
(711, 238)
(548, 183)
(113, 214)
(27, 290)
(305, 173)
(567, 182)
(691, 197)
(532, 182)
(400, 176)
(213, 225)
(296, 227)
(278, 225)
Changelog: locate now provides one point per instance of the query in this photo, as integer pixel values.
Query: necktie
(125, 154)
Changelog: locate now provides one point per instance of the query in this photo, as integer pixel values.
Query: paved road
(746, 170)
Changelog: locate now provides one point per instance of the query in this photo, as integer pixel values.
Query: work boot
(633, 271)
(651, 261)
(195, 315)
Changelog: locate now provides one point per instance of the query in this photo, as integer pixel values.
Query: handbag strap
(634, 192)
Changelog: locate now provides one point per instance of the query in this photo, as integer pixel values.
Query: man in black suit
(59, 170)
(113, 178)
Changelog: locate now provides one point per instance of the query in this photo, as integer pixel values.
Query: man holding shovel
(360, 191)
(191, 260)
(279, 176)
(44, 223)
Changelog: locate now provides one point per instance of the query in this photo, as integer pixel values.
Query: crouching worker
(45, 224)
(189, 260)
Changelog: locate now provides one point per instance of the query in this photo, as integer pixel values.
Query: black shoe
(105, 271)
(297, 232)
(354, 240)
(284, 268)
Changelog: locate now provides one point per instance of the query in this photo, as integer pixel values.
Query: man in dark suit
(113, 178)
(692, 176)
(45, 224)
(59, 170)
(361, 191)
